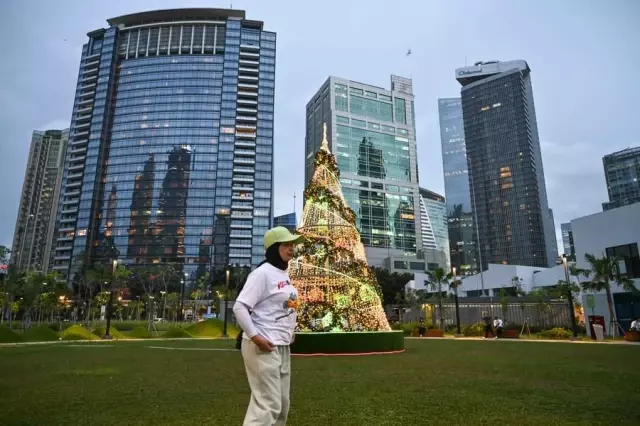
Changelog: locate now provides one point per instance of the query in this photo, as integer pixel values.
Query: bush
(56, 326)
(556, 334)
(176, 333)
(140, 332)
(114, 332)
(476, 329)
(41, 334)
(78, 332)
(130, 325)
(9, 336)
(407, 327)
(212, 328)
(356, 342)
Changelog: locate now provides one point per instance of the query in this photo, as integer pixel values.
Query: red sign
(596, 319)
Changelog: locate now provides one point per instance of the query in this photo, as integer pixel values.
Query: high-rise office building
(35, 225)
(462, 238)
(506, 176)
(622, 172)
(170, 156)
(371, 131)
(288, 220)
(567, 240)
(434, 224)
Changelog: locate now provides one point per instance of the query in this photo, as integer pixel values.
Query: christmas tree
(337, 290)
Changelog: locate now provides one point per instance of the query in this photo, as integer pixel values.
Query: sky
(583, 54)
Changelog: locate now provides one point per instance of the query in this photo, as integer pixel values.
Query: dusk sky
(583, 54)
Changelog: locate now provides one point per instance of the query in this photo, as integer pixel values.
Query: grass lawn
(435, 382)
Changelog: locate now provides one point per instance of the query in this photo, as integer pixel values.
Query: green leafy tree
(11, 285)
(540, 296)
(603, 272)
(391, 284)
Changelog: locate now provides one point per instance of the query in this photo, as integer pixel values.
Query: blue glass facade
(288, 220)
(178, 160)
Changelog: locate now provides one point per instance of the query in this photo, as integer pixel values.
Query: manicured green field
(435, 382)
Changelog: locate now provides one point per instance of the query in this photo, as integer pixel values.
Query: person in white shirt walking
(635, 325)
(266, 311)
(497, 325)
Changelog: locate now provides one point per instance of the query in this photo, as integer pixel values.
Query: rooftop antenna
(294, 203)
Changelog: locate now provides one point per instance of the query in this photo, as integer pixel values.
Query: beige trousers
(269, 375)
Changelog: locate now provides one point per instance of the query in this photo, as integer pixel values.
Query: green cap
(279, 234)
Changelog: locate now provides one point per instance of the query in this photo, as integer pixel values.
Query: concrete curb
(100, 341)
(587, 342)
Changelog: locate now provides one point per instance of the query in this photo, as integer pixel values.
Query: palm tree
(453, 286)
(437, 279)
(604, 271)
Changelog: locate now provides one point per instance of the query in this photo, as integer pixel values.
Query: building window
(630, 260)
(356, 91)
(401, 111)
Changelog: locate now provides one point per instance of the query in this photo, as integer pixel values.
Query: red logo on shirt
(283, 284)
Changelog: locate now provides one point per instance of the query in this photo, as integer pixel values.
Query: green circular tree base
(353, 343)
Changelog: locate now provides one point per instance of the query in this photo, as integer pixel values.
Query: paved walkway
(594, 342)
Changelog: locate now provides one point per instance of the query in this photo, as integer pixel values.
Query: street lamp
(574, 326)
(181, 301)
(61, 299)
(455, 289)
(164, 306)
(107, 336)
(224, 330)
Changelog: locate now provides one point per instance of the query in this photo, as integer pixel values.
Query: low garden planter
(434, 333)
(510, 334)
(632, 336)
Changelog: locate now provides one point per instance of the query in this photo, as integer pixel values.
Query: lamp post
(164, 303)
(181, 316)
(107, 336)
(226, 290)
(455, 289)
(61, 298)
(574, 326)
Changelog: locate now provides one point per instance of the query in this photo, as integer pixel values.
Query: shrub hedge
(140, 332)
(78, 332)
(114, 332)
(556, 334)
(176, 333)
(40, 334)
(212, 328)
(357, 342)
(9, 336)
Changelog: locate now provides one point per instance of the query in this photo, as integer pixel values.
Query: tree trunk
(612, 318)
(441, 319)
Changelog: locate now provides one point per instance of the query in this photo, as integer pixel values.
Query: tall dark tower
(506, 176)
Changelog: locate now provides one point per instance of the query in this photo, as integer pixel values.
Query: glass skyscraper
(288, 220)
(434, 224)
(462, 239)
(506, 176)
(567, 240)
(35, 224)
(371, 131)
(170, 156)
(622, 172)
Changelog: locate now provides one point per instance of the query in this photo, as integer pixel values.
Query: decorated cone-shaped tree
(337, 289)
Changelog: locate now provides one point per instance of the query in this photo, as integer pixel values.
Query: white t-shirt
(497, 323)
(272, 299)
